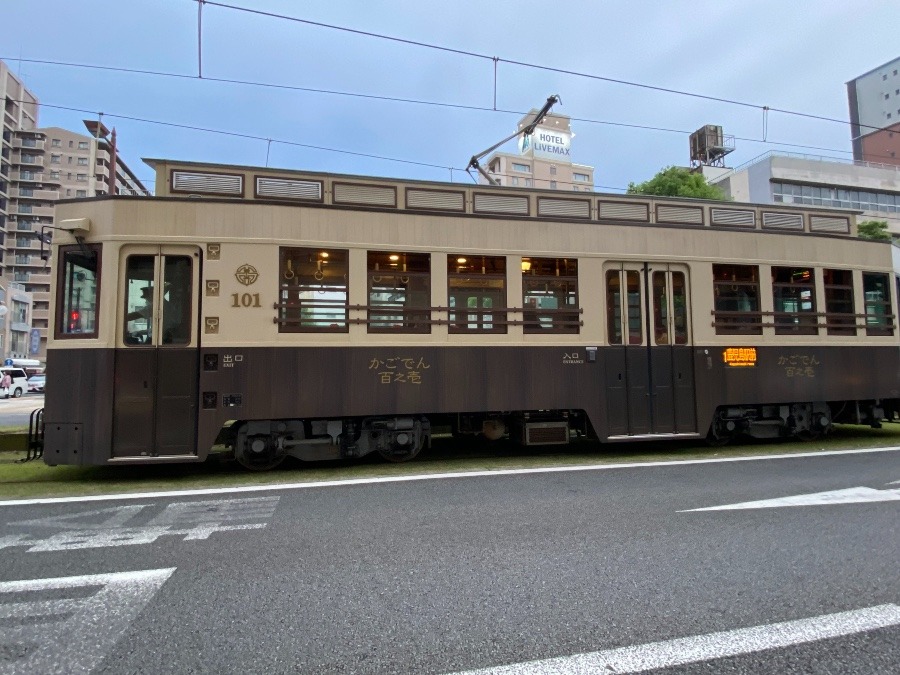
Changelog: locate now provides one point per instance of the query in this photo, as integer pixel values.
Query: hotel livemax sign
(547, 143)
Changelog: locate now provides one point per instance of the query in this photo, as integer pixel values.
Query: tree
(873, 229)
(674, 181)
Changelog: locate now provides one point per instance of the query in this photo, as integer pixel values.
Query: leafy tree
(873, 229)
(675, 181)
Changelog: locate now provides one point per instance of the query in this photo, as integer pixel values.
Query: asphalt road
(14, 412)
(456, 574)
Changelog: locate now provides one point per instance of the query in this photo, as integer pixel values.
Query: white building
(775, 177)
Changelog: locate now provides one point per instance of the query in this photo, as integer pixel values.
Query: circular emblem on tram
(246, 274)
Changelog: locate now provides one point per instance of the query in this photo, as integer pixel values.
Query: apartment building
(544, 159)
(38, 166)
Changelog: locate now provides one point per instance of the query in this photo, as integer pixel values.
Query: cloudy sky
(339, 98)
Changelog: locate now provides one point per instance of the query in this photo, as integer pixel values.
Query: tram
(321, 316)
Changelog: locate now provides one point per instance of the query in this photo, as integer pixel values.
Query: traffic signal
(74, 321)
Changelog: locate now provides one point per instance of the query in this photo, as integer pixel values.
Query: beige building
(544, 159)
(38, 167)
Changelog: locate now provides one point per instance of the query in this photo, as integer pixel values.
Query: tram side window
(794, 296)
(877, 292)
(139, 284)
(476, 293)
(399, 292)
(78, 292)
(313, 290)
(550, 295)
(662, 326)
(839, 313)
(633, 326)
(736, 291)
(176, 300)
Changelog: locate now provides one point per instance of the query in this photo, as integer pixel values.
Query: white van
(19, 380)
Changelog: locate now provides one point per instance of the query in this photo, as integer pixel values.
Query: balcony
(43, 195)
(36, 211)
(28, 176)
(37, 144)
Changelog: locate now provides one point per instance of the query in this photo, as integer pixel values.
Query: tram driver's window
(78, 291)
(477, 293)
(550, 295)
(736, 291)
(313, 290)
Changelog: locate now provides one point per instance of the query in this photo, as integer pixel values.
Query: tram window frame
(304, 272)
(877, 311)
(631, 331)
(550, 295)
(840, 317)
(140, 284)
(72, 256)
(484, 279)
(794, 286)
(738, 284)
(408, 275)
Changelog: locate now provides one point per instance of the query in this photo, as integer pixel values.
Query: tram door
(157, 354)
(649, 370)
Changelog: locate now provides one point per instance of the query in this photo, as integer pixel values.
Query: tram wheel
(397, 452)
(259, 453)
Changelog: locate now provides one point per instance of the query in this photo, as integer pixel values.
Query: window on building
(26, 192)
(524, 168)
(399, 292)
(55, 159)
(55, 143)
(514, 180)
(528, 182)
(794, 297)
(877, 293)
(313, 290)
(839, 316)
(736, 292)
(550, 295)
(552, 184)
(581, 177)
(552, 169)
(71, 144)
(79, 193)
(69, 159)
(27, 159)
(82, 145)
(54, 175)
(29, 142)
(476, 291)
(82, 178)
(78, 291)
(82, 161)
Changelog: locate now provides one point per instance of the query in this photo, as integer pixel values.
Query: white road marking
(68, 624)
(431, 476)
(854, 495)
(122, 526)
(698, 648)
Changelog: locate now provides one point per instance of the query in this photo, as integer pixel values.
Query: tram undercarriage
(263, 444)
(806, 421)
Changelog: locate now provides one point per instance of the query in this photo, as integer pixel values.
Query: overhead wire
(525, 64)
(393, 99)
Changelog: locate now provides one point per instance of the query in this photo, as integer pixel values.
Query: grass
(35, 479)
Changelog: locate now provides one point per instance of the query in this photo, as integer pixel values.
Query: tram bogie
(264, 444)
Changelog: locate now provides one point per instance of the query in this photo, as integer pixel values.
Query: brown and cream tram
(325, 316)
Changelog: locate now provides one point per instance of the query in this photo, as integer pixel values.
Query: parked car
(19, 381)
(36, 383)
